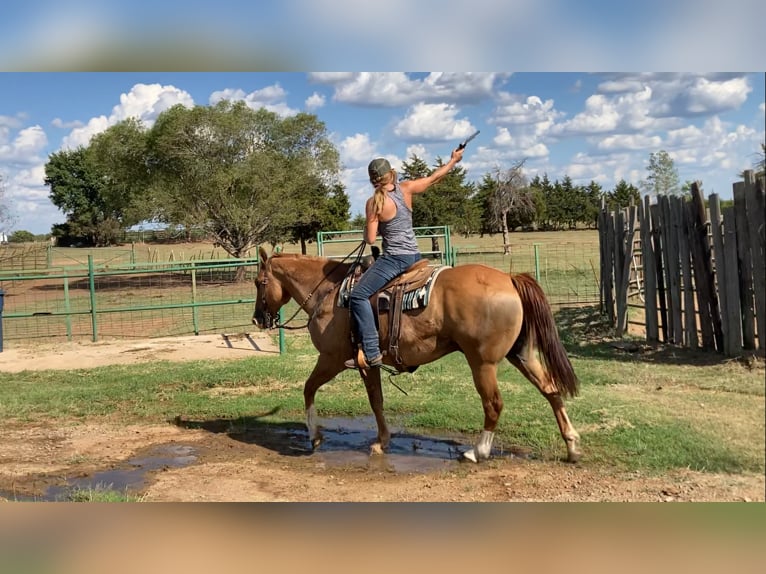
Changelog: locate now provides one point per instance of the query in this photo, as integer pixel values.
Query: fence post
(67, 309)
(92, 288)
(281, 334)
(537, 262)
(195, 323)
(2, 302)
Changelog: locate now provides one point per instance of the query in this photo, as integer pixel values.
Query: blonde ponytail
(379, 196)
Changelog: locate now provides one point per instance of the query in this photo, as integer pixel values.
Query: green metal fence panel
(141, 301)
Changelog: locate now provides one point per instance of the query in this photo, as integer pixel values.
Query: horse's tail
(539, 326)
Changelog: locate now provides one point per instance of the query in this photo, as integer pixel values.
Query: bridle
(272, 321)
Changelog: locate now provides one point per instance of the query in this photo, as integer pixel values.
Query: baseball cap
(378, 168)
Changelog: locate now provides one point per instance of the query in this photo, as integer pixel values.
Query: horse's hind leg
(324, 370)
(530, 366)
(371, 378)
(485, 381)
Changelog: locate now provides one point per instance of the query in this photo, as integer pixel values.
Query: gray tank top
(397, 233)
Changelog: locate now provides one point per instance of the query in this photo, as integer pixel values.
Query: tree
(447, 202)
(76, 188)
(6, 219)
(663, 177)
(358, 221)
(511, 201)
(760, 164)
(321, 208)
(119, 155)
(623, 195)
(21, 236)
(101, 188)
(240, 174)
(482, 202)
(593, 194)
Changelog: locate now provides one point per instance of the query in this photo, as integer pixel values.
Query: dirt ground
(199, 461)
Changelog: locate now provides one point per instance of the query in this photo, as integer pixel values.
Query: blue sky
(589, 126)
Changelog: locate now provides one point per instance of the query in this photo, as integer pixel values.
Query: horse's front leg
(324, 371)
(371, 378)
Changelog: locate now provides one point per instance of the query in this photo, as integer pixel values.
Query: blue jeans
(385, 268)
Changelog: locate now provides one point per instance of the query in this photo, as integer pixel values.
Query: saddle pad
(412, 299)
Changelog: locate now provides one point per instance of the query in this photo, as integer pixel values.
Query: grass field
(651, 411)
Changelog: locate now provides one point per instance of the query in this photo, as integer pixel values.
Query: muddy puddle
(130, 477)
(346, 444)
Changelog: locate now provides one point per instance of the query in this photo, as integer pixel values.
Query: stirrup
(360, 362)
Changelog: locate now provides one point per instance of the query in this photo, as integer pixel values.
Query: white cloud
(61, 124)
(144, 101)
(25, 147)
(315, 101)
(630, 142)
(271, 98)
(401, 89)
(433, 122)
(515, 109)
(356, 149)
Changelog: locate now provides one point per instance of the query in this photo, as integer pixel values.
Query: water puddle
(346, 442)
(130, 478)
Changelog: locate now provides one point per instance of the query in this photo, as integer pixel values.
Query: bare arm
(371, 226)
(416, 186)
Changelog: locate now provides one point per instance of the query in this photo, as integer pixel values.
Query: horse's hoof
(315, 443)
(469, 455)
(573, 457)
(376, 449)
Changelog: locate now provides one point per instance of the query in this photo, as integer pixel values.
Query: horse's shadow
(285, 438)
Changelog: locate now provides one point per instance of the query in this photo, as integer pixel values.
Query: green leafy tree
(447, 202)
(663, 176)
(119, 154)
(540, 187)
(623, 195)
(322, 208)
(21, 236)
(77, 189)
(101, 188)
(482, 204)
(593, 194)
(358, 221)
(239, 173)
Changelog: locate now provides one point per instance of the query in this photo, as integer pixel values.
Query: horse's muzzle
(264, 320)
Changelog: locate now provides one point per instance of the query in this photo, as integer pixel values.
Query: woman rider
(388, 212)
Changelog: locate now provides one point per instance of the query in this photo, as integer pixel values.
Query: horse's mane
(329, 265)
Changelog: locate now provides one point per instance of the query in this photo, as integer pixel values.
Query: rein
(357, 251)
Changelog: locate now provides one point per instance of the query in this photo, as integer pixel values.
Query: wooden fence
(698, 271)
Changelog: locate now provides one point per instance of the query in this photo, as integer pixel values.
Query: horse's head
(270, 295)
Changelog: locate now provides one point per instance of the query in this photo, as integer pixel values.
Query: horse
(480, 311)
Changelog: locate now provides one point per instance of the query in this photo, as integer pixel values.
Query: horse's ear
(263, 255)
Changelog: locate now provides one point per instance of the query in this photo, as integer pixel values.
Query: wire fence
(112, 298)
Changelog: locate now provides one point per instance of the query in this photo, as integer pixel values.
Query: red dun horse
(484, 313)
